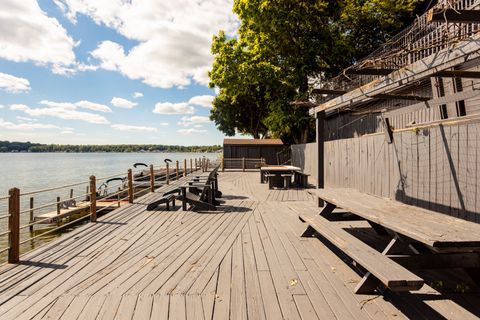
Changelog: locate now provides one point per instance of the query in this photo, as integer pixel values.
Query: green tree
(281, 44)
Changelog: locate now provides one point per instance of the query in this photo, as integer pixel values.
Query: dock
(83, 206)
(244, 261)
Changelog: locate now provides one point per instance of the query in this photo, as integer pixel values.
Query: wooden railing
(133, 183)
(242, 163)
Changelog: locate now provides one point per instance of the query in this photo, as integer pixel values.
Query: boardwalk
(245, 261)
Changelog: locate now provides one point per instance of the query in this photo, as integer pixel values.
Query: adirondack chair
(213, 177)
(205, 201)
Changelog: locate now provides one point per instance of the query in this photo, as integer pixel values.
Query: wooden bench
(301, 178)
(433, 240)
(382, 269)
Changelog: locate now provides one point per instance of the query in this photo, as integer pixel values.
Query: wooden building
(404, 123)
(234, 150)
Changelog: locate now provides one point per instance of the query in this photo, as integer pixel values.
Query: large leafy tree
(281, 44)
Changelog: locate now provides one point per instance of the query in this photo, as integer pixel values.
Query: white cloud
(13, 84)
(67, 132)
(128, 128)
(80, 104)
(190, 131)
(93, 106)
(174, 37)
(60, 110)
(25, 126)
(173, 108)
(25, 119)
(164, 124)
(137, 95)
(28, 34)
(193, 120)
(2, 106)
(123, 103)
(202, 101)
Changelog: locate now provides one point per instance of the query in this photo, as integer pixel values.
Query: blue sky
(109, 71)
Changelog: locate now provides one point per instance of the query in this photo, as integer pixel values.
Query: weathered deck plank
(244, 261)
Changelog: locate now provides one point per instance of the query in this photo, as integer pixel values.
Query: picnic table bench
(433, 240)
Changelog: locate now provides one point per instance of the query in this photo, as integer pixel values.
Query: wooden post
(243, 164)
(320, 124)
(152, 179)
(130, 186)
(176, 169)
(71, 195)
(31, 213)
(93, 199)
(223, 164)
(168, 173)
(184, 167)
(58, 206)
(14, 225)
(86, 193)
(196, 167)
(118, 196)
(191, 165)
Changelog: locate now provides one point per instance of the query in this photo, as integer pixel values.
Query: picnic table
(434, 240)
(277, 175)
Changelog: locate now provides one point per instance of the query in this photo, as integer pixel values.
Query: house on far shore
(253, 151)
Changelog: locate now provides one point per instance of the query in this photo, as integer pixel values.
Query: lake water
(36, 171)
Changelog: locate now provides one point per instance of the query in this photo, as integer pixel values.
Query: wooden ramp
(244, 261)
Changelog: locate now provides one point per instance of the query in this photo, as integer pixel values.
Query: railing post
(191, 165)
(93, 199)
(176, 169)
(184, 167)
(58, 206)
(168, 173)
(152, 179)
(243, 164)
(223, 164)
(130, 186)
(31, 213)
(14, 225)
(196, 167)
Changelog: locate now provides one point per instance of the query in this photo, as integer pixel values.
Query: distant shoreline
(28, 147)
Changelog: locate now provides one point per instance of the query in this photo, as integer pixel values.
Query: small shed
(252, 149)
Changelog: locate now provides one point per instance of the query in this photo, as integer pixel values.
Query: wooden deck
(246, 261)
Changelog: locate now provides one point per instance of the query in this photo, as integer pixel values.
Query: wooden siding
(304, 156)
(269, 153)
(434, 168)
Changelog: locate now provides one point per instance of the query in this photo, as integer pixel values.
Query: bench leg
(309, 232)
(367, 285)
(328, 210)
(168, 206)
(369, 282)
(378, 228)
(184, 199)
(474, 273)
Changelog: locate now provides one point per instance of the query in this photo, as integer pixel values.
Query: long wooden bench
(431, 238)
(392, 275)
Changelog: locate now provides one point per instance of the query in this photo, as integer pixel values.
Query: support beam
(328, 91)
(377, 96)
(320, 138)
(458, 74)
(369, 71)
(453, 15)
